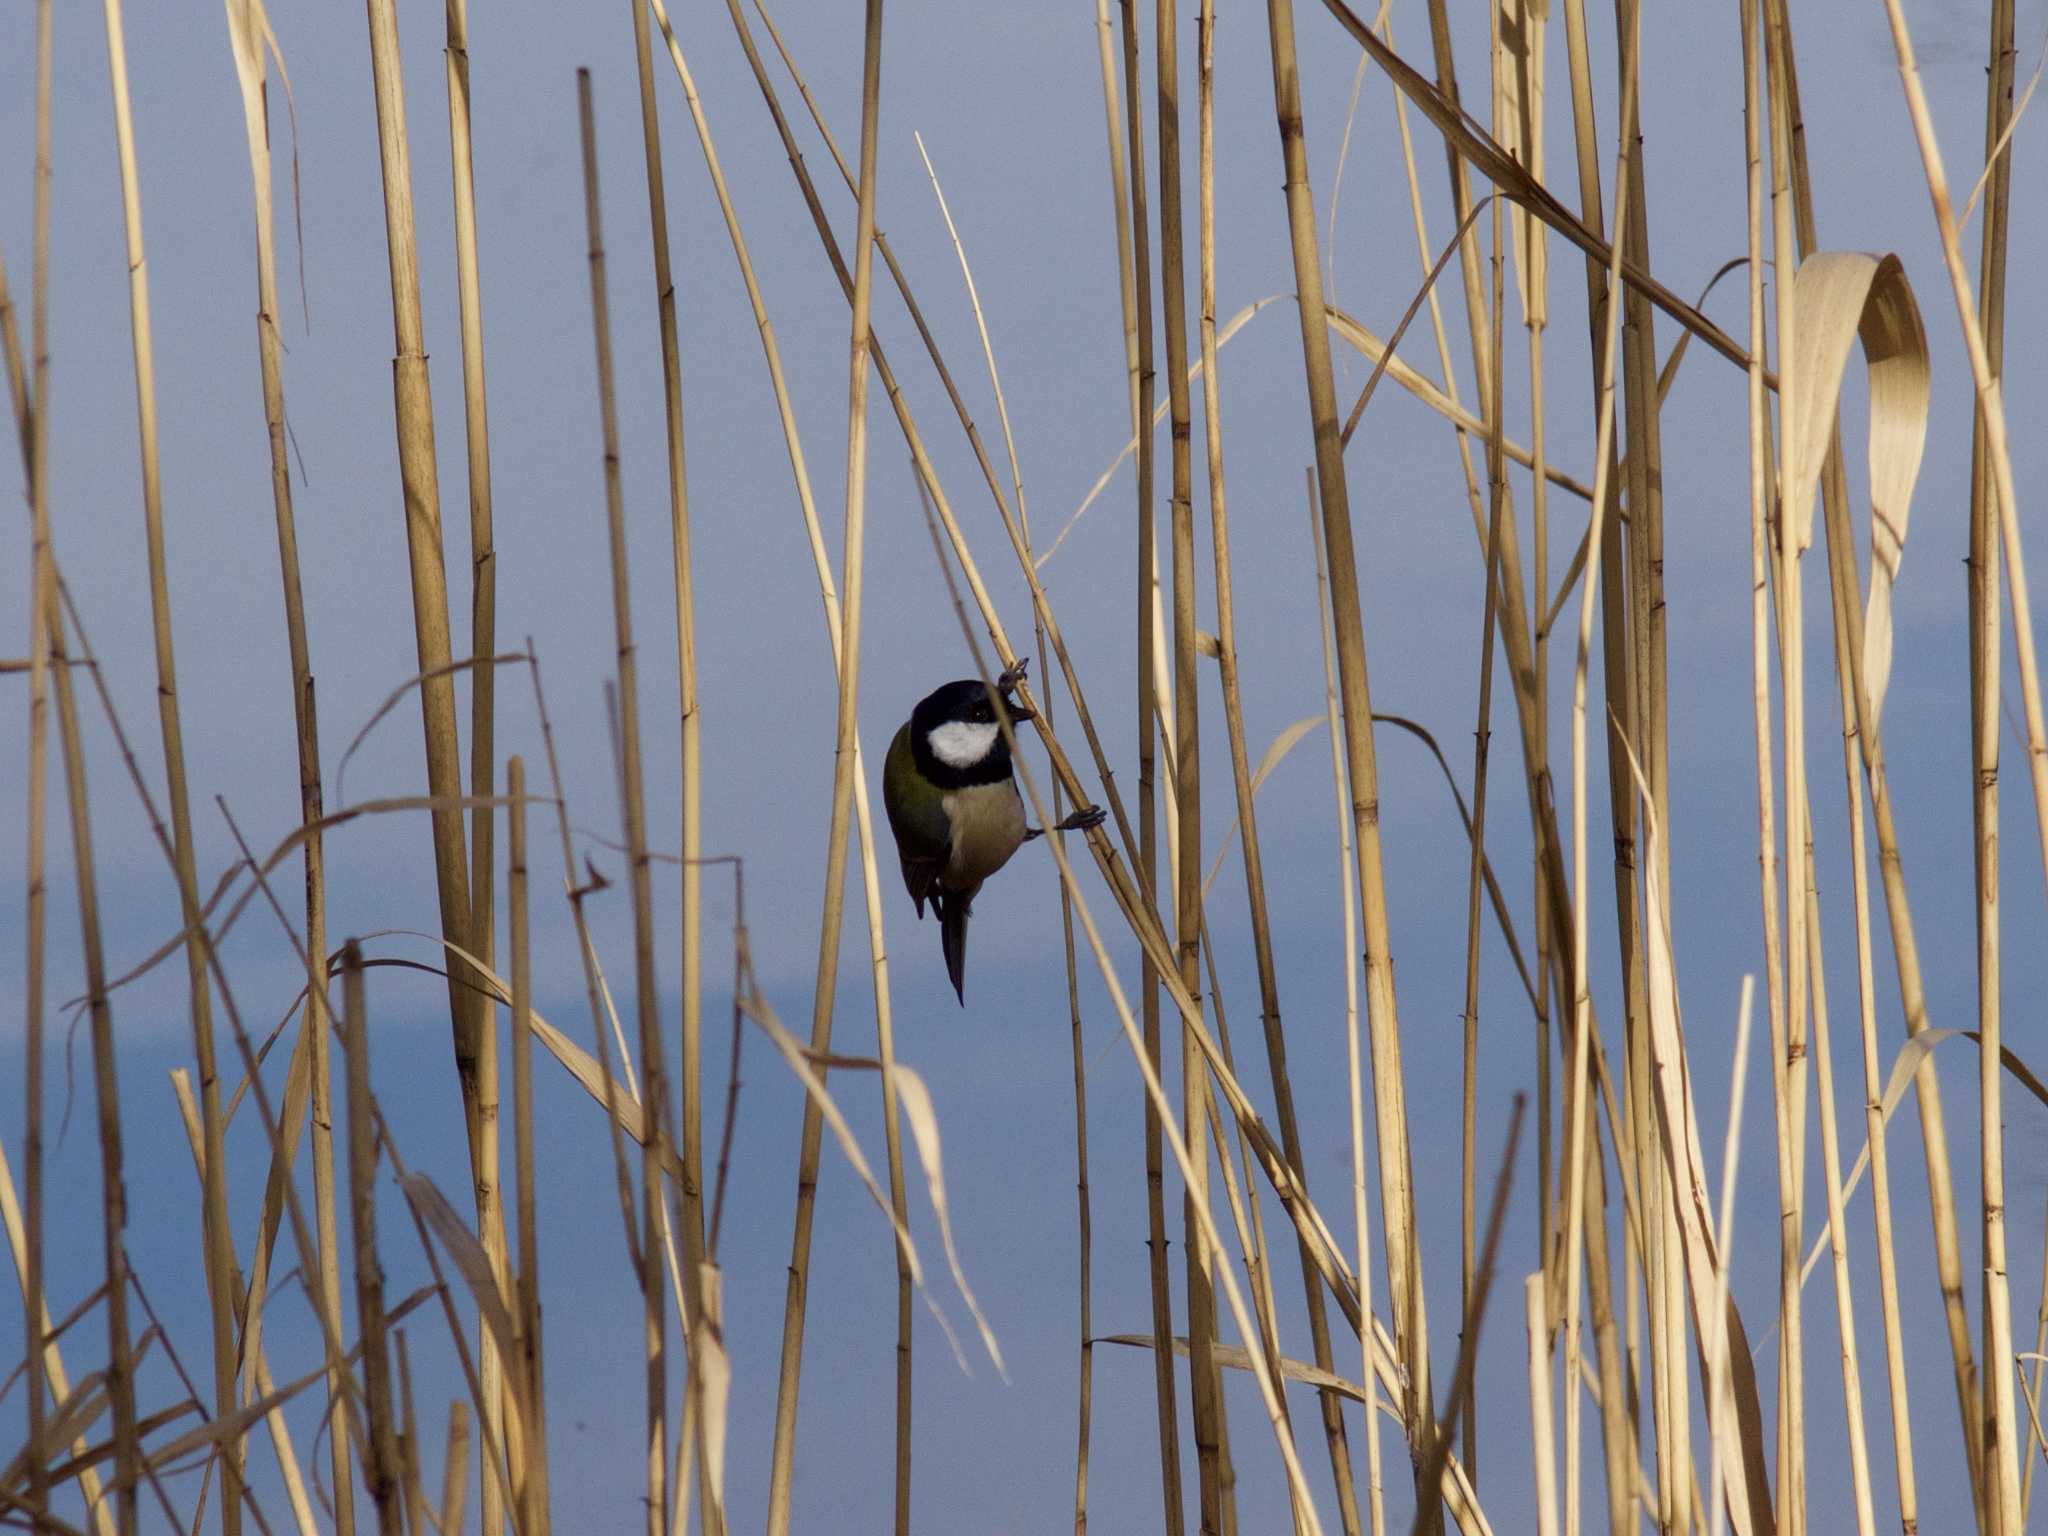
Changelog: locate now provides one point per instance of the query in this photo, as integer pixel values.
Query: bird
(951, 795)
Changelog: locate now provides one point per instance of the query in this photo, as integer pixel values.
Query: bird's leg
(1080, 821)
(1013, 675)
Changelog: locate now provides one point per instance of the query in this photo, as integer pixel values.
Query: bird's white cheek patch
(959, 744)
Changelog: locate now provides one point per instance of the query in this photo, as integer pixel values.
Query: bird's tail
(952, 910)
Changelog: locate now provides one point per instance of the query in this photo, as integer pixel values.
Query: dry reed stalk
(653, 1086)
(1522, 665)
(691, 1189)
(1205, 1386)
(89, 1481)
(1486, 362)
(426, 1202)
(120, 1367)
(1791, 1046)
(415, 1492)
(1892, 492)
(336, 1354)
(1086, 1376)
(847, 656)
(419, 481)
(1985, 653)
(1514, 617)
(1838, 1234)
(1120, 209)
(1136, 910)
(1999, 1409)
(261, 1386)
(1984, 617)
(1731, 1147)
(1042, 609)
(1542, 1436)
(1444, 1434)
(530, 1483)
(1579, 1083)
(1156, 1094)
(380, 1464)
(119, 1371)
(248, 34)
(1644, 464)
(1524, 123)
(1396, 1177)
(784, 1452)
(1891, 863)
(17, 379)
(1640, 625)
(1233, 713)
(1482, 736)
(1250, 1224)
(1480, 150)
(1469, 262)
(455, 1468)
(1619, 667)
(1085, 1226)
(42, 603)
(1761, 516)
(483, 633)
(1413, 178)
(1146, 863)
(217, 1237)
(1347, 883)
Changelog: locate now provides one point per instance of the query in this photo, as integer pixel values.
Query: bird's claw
(1013, 675)
(1086, 820)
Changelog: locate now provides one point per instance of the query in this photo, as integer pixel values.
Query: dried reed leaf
(230, 1427)
(916, 1100)
(799, 1061)
(1738, 1427)
(476, 1270)
(1840, 297)
(1369, 346)
(1235, 1358)
(1283, 744)
(1236, 323)
(68, 1420)
(1904, 1066)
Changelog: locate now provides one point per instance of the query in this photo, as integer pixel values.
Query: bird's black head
(956, 739)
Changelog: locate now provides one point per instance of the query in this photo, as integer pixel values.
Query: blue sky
(1008, 102)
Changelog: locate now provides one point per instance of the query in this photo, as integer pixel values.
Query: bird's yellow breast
(988, 826)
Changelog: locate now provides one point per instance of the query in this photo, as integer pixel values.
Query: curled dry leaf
(1840, 297)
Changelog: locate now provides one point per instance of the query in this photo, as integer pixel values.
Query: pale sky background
(1008, 101)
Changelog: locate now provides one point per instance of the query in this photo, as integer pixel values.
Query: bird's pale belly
(988, 826)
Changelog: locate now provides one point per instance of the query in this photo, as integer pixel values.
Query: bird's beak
(1018, 713)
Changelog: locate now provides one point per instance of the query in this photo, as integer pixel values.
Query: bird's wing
(924, 832)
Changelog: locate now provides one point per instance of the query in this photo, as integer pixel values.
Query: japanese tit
(953, 804)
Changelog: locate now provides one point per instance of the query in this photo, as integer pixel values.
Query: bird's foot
(1013, 675)
(1086, 820)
